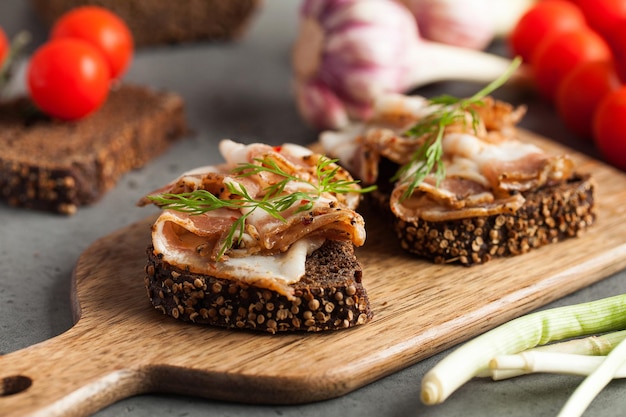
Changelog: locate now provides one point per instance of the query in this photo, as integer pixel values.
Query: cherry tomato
(603, 15)
(560, 53)
(609, 127)
(68, 78)
(4, 46)
(541, 20)
(617, 42)
(103, 29)
(580, 93)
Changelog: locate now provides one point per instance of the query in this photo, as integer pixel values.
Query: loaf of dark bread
(164, 22)
(58, 166)
(550, 214)
(330, 296)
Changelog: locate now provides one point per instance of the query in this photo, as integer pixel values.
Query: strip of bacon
(486, 165)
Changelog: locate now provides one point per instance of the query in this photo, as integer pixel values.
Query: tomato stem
(18, 44)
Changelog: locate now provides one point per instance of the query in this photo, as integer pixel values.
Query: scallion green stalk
(572, 357)
(604, 315)
(593, 345)
(594, 383)
(534, 361)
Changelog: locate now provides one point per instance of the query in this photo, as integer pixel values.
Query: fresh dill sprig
(274, 200)
(428, 157)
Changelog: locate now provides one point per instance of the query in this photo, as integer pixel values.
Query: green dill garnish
(274, 199)
(428, 157)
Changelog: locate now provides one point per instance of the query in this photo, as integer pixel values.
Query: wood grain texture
(120, 346)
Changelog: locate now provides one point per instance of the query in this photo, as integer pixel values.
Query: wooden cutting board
(120, 346)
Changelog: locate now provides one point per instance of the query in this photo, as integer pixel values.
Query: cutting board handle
(69, 375)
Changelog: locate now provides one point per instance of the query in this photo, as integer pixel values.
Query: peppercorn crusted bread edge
(549, 215)
(330, 296)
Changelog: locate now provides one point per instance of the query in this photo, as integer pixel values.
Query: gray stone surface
(242, 91)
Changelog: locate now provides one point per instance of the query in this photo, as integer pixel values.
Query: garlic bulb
(507, 14)
(468, 23)
(348, 52)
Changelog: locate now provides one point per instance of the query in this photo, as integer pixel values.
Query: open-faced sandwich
(59, 166)
(461, 184)
(263, 241)
(78, 128)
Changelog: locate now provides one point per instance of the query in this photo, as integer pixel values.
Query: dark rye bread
(330, 296)
(549, 215)
(155, 22)
(58, 166)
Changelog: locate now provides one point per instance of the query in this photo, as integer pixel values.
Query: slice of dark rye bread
(549, 215)
(155, 22)
(58, 166)
(330, 296)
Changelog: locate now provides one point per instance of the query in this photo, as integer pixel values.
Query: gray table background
(242, 91)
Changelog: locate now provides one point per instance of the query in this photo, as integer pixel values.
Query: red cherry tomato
(617, 41)
(580, 93)
(103, 29)
(541, 20)
(609, 127)
(4, 46)
(603, 15)
(68, 78)
(560, 53)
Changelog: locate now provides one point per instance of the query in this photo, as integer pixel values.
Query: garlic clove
(467, 24)
(508, 13)
(306, 53)
(448, 62)
(319, 106)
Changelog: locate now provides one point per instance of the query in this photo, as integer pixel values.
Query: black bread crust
(155, 22)
(549, 215)
(58, 166)
(330, 296)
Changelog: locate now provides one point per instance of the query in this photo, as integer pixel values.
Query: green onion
(472, 358)
(570, 357)
(592, 345)
(593, 384)
(534, 361)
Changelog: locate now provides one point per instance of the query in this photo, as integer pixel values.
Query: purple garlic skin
(468, 23)
(349, 52)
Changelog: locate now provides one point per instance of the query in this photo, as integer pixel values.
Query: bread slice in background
(58, 166)
(155, 22)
